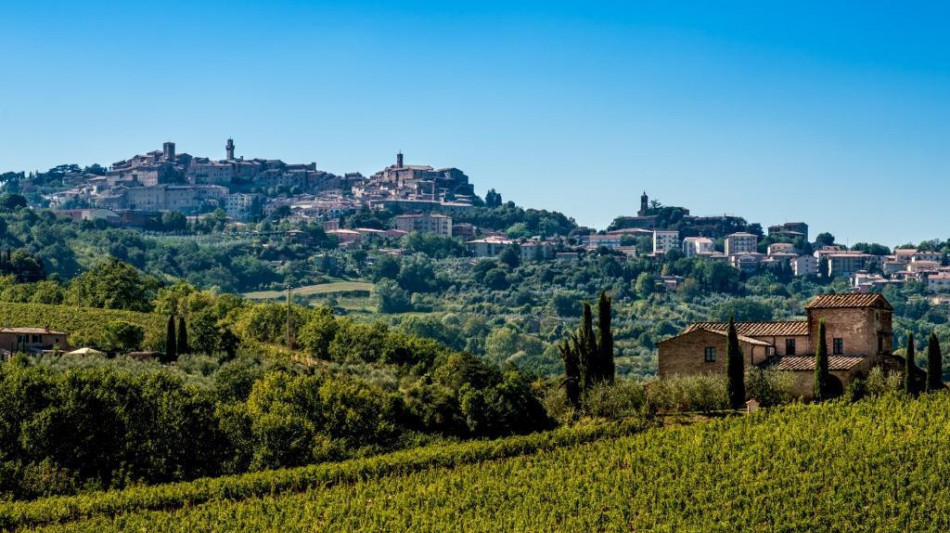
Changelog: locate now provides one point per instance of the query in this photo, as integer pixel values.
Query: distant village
(132, 191)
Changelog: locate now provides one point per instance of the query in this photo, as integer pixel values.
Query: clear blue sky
(830, 112)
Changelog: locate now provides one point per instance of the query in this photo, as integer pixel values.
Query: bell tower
(230, 149)
(644, 204)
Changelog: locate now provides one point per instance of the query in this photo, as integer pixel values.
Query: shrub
(625, 398)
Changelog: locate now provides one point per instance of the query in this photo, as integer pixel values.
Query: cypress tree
(934, 364)
(171, 353)
(909, 366)
(606, 338)
(182, 336)
(735, 368)
(821, 365)
(587, 346)
(572, 370)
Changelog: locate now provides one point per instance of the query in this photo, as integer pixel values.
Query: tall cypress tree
(909, 366)
(572, 370)
(821, 365)
(182, 336)
(606, 338)
(171, 352)
(587, 346)
(934, 364)
(735, 367)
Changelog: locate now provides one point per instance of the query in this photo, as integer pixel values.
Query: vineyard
(879, 465)
(82, 324)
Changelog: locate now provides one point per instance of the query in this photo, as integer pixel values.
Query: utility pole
(290, 321)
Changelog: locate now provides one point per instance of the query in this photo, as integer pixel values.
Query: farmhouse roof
(757, 329)
(806, 363)
(844, 301)
(742, 338)
(32, 331)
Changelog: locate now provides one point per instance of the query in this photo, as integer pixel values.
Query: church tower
(644, 204)
(230, 149)
(399, 159)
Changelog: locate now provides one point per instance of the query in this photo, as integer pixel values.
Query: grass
(335, 287)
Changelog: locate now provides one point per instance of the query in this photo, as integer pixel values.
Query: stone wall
(685, 354)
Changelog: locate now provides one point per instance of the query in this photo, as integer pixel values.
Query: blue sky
(836, 113)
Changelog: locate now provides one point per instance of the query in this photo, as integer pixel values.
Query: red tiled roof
(841, 301)
(742, 338)
(757, 329)
(33, 331)
(807, 363)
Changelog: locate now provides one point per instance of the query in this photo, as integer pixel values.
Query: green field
(336, 287)
(881, 465)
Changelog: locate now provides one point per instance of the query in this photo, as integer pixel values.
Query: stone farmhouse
(858, 336)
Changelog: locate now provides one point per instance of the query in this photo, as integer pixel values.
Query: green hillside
(83, 324)
(881, 465)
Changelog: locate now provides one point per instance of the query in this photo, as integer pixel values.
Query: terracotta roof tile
(757, 329)
(807, 363)
(34, 331)
(840, 301)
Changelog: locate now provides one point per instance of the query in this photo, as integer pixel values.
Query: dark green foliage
(587, 350)
(12, 202)
(113, 284)
(588, 358)
(434, 246)
(122, 336)
(822, 385)
(910, 368)
(572, 370)
(735, 368)
(510, 256)
(183, 346)
(228, 342)
(171, 341)
(606, 338)
(934, 364)
(100, 428)
(744, 310)
(391, 298)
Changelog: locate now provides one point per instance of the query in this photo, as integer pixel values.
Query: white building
(741, 243)
(781, 248)
(610, 240)
(425, 223)
(694, 246)
(489, 246)
(241, 206)
(664, 241)
(938, 282)
(805, 265)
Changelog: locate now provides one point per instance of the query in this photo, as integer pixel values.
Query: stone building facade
(858, 335)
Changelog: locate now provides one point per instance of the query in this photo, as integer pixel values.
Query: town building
(242, 206)
(464, 230)
(939, 282)
(610, 240)
(489, 246)
(664, 241)
(859, 337)
(844, 263)
(698, 246)
(781, 248)
(791, 230)
(741, 243)
(425, 223)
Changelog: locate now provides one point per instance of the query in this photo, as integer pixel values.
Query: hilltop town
(137, 192)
